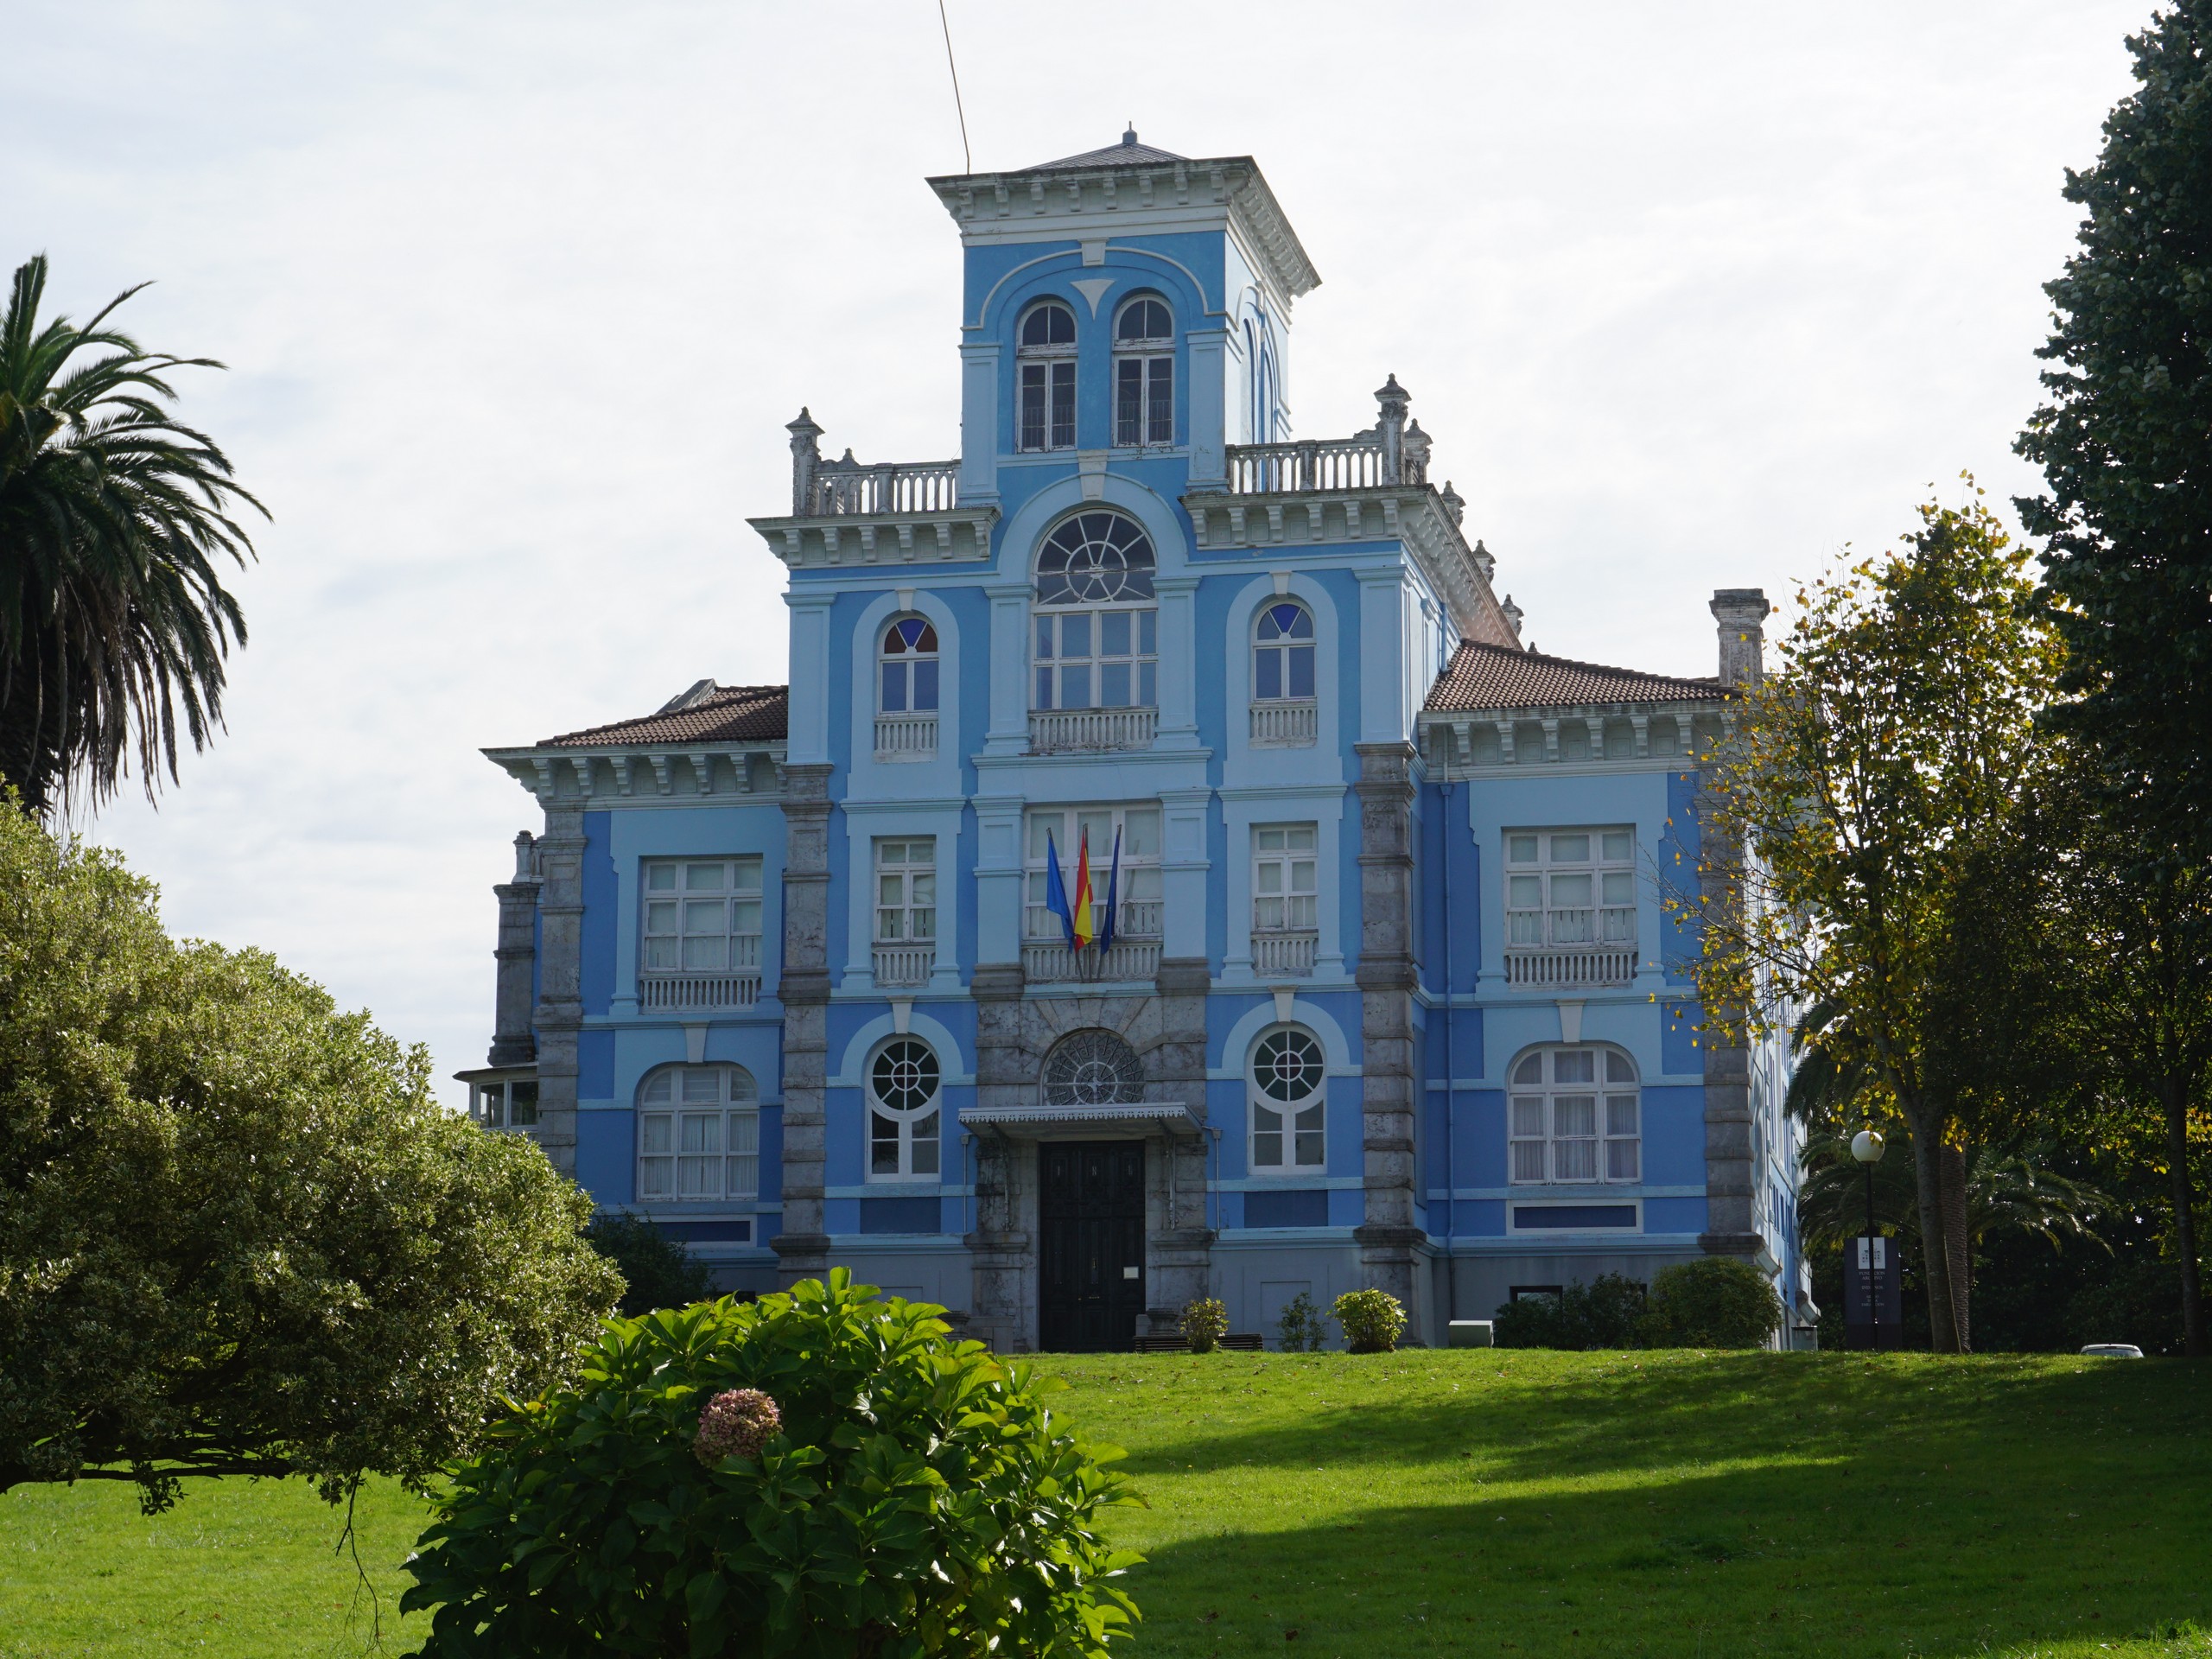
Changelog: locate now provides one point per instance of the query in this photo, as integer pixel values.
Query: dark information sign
(1873, 1294)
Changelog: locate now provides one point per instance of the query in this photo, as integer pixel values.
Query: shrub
(1371, 1321)
(1717, 1301)
(908, 1495)
(1303, 1327)
(1607, 1312)
(656, 1271)
(1206, 1323)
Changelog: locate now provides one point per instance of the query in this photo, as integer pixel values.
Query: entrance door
(1091, 1244)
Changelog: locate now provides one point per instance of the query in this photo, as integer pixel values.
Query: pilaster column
(1179, 662)
(810, 677)
(1208, 413)
(998, 897)
(979, 423)
(803, 987)
(1183, 869)
(512, 1042)
(1010, 669)
(560, 994)
(1388, 1238)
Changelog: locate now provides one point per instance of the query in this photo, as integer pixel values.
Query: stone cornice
(1411, 514)
(1045, 201)
(645, 774)
(958, 534)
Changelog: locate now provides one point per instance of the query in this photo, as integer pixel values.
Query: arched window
(1096, 636)
(1093, 1068)
(1282, 653)
(904, 1119)
(909, 677)
(1144, 374)
(1046, 366)
(1289, 1112)
(1575, 1117)
(698, 1134)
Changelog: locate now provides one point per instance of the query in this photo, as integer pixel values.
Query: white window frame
(1050, 369)
(1146, 361)
(908, 660)
(496, 1105)
(698, 1136)
(1285, 646)
(905, 913)
(916, 1127)
(1293, 1131)
(1069, 652)
(1555, 900)
(1559, 1124)
(1139, 895)
(1284, 857)
(666, 915)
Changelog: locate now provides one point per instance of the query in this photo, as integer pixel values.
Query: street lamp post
(1866, 1146)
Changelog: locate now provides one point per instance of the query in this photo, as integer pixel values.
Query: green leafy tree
(656, 1271)
(114, 521)
(238, 1236)
(817, 1475)
(1845, 826)
(2121, 439)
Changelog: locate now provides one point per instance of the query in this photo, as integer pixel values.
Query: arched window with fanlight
(1144, 374)
(909, 662)
(1288, 1103)
(904, 1121)
(1044, 358)
(1096, 639)
(1284, 709)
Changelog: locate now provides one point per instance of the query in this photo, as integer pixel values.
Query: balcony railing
(847, 486)
(905, 737)
(733, 990)
(904, 964)
(1543, 966)
(1274, 955)
(1284, 725)
(1067, 731)
(1048, 960)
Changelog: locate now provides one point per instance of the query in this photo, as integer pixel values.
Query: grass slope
(1405, 1505)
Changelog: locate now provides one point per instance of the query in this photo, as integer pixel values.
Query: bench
(1238, 1343)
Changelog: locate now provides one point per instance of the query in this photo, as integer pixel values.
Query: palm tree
(114, 622)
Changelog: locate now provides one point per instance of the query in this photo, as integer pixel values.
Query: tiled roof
(1498, 677)
(706, 713)
(1122, 155)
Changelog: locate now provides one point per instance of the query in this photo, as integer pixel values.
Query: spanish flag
(1081, 928)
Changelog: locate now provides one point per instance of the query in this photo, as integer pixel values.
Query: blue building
(1390, 998)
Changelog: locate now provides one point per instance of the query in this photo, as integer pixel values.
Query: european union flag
(1056, 892)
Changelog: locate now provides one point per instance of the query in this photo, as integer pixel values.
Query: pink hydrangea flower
(736, 1423)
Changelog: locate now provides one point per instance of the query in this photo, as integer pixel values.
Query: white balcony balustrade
(1069, 731)
(904, 964)
(905, 737)
(1546, 967)
(738, 988)
(1278, 956)
(1045, 961)
(1284, 725)
(839, 488)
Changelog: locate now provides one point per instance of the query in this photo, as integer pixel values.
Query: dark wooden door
(1091, 1244)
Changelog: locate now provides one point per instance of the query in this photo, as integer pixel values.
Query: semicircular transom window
(1095, 558)
(1287, 1065)
(1096, 639)
(1093, 1068)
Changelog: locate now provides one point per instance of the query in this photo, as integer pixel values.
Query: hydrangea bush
(819, 1473)
(1371, 1321)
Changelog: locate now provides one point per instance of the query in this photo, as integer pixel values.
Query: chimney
(1741, 612)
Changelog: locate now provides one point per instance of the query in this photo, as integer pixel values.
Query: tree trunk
(1935, 1260)
(1951, 1200)
(2176, 1093)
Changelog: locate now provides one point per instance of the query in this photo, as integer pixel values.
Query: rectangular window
(1570, 887)
(1048, 405)
(905, 891)
(506, 1105)
(1144, 400)
(1285, 887)
(702, 915)
(1097, 659)
(698, 1134)
(1138, 894)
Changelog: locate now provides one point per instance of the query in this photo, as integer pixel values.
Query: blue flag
(1056, 892)
(1113, 897)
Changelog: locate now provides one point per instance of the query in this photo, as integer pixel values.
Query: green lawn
(1426, 1504)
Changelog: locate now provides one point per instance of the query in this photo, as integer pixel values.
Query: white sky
(517, 298)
